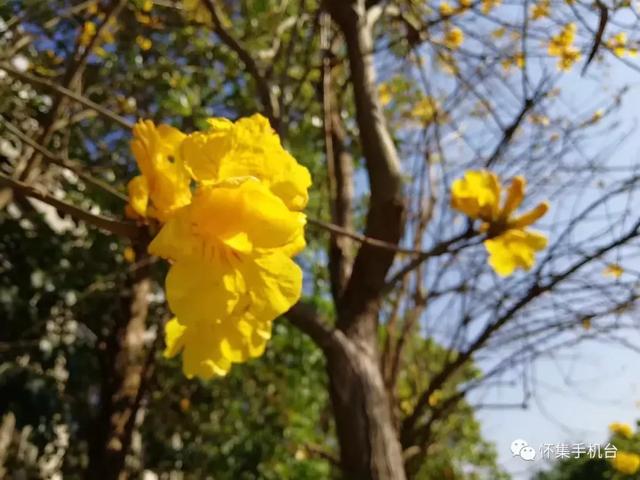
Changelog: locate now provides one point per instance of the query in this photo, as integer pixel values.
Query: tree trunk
(369, 445)
(125, 370)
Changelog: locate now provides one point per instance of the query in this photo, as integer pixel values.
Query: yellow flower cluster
(230, 241)
(488, 5)
(618, 45)
(516, 60)
(197, 11)
(385, 94)
(426, 111)
(453, 37)
(627, 463)
(622, 429)
(540, 10)
(509, 243)
(561, 46)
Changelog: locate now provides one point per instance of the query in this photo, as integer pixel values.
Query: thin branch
(49, 85)
(532, 293)
(50, 157)
(267, 97)
(117, 227)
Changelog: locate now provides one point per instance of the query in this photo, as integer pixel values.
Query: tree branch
(267, 97)
(47, 84)
(534, 291)
(124, 229)
(385, 217)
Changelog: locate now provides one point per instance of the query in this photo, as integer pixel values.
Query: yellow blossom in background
(230, 242)
(561, 46)
(92, 9)
(516, 60)
(453, 38)
(539, 119)
(542, 9)
(498, 33)
(385, 94)
(618, 45)
(477, 195)
(488, 5)
(435, 398)
(516, 248)
(626, 463)
(446, 10)
(185, 405)
(87, 33)
(426, 110)
(597, 116)
(197, 11)
(613, 270)
(147, 5)
(622, 429)
(465, 4)
(129, 254)
(144, 43)
(164, 185)
(510, 244)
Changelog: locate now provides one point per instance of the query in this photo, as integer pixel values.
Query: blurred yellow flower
(435, 398)
(426, 111)
(613, 270)
(626, 462)
(561, 46)
(498, 33)
(147, 5)
(144, 43)
(488, 5)
(622, 429)
(453, 38)
(87, 33)
(509, 243)
(164, 183)
(477, 195)
(129, 254)
(197, 10)
(516, 60)
(446, 10)
(385, 94)
(541, 9)
(618, 45)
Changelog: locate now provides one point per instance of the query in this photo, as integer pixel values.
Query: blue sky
(579, 391)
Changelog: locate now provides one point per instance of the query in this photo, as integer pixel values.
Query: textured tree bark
(369, 446)
(125, 370)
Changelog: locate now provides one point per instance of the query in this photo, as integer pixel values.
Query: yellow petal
(530, 217)
(168, 182)
(514, 249)
(173, 338)
(515, 195)
(199, 289)
(248, 147)
(477, 195)
(243, 216)
(138, 190)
